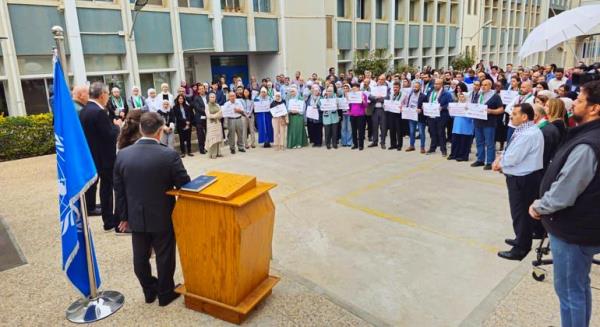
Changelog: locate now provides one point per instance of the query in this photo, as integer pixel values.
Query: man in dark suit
(437, 125)
(144, 172)
(198, 104)
(101, 133)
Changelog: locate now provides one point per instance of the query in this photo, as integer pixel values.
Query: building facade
(196, 40)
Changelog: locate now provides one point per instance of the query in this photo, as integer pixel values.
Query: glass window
(153, 80)
(341, 8)
(414, 10)
(379, 9)
(116, 80)
(262, 5)
(231, 5)
(35, 65)
(153, 61)
(2, 71)
(360, 9)
(191, 3)
(36, 96)
(3, 105)
(102, 63)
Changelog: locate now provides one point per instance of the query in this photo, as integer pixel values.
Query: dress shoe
(335, 146)
(354, 147)
(392, 148)
(398, 149)
(444, 154)
(183, 155)
(232, 151)
(511, 241)
(461, 159)
(150, 293)
(190, 154)
(450, 158)
(267, 145)
(487, 167)
(95, 212)
(410, 149)
(383, 146)
(165, 300)
(242, 150)
(514, 254)
(423, 151)
(360, 148)
(328, 147)
(108, 228)
(477, 164)
(372, 145)
(430, 152)
(202, 151)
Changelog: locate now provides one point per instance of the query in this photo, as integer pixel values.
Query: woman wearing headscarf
(279, 124)
(168, 136)
(136, 101)
(117, 105)
(315, 126)
(296, 132)
(153, 102)
(165, 94)
(248, 119)
(214, 134)
(330, 119)
(462, 133)
(263, 120)
(346, 131)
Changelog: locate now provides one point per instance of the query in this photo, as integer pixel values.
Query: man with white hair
(235, 125)
(80, 95)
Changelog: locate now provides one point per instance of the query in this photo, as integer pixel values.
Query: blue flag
(76, 173)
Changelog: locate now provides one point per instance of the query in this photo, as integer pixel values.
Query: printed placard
(477, 111)
(278, 110)
(343, 103)
(355, 97)
(329, 104)
(508, 96)
(262, 106)
(431, 109)
(379, 91)
(297, 105)
(312, 113)
(392, 106)
(410, 113)
(457, 109)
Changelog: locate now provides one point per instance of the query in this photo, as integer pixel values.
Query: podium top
(233, 189)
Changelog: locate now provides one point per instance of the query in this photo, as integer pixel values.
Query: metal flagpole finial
(58, 31)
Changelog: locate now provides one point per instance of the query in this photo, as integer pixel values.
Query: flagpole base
(86, 310)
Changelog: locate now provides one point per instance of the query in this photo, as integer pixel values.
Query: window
(35, 92)
(360, 9)
(100, 63)
(262, 5)
(399, 10)
(414, 10)
(341, 8)
(3, 106)
(116, 80)
(35, 65)
(2, 67)
(153, 80)
(441, 13)
(231, 5)
(153, 61)
(428, 11)
(191, 3)
(378, 9)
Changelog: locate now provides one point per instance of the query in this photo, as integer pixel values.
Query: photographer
(569, 208)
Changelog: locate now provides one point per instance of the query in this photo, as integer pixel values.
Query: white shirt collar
(148, 138)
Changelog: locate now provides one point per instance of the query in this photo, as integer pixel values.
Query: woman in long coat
(214, 134)
(296, 132)
(264, 119)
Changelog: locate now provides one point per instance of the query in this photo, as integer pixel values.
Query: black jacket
(180, 122)
(199, 108)
(168, 116)
(144, 172)
(579, 223)
(112, 109)
(101, 135)
(551, 142)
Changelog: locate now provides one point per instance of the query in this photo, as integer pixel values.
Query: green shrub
(375, 61)
(462, 62)
(28, 136)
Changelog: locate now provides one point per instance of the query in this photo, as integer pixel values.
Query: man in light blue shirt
(522, 164)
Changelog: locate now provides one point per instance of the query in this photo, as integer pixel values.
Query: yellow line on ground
(480, 179)
(411, 223)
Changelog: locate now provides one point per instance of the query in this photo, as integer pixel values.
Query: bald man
(81, 96)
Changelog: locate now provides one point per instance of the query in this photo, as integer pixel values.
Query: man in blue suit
(437, 125)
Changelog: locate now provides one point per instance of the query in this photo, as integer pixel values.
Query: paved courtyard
(361, 238)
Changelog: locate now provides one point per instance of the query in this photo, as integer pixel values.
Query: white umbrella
(560, 28)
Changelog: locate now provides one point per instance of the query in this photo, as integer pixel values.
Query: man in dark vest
(570, 211)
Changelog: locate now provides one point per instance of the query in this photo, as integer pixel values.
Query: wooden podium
(224, 236)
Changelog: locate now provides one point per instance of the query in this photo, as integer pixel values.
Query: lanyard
(481, 98)
(138, 101)
(433, 96)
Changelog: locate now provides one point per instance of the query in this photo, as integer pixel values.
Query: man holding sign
(414, 103)
(396, 125)
(485, 130)
(378, 95)
(437, 125)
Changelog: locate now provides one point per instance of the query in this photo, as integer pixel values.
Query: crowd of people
(540, 119)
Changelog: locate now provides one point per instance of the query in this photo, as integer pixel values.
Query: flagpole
(98, 305)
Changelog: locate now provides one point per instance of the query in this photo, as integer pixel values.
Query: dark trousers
(164, 247)
(185, 140)
(105, 176)
(358, 130)
(461, 146)
(437, 131)
(379, 126)
(398, 127)
(201, 131)
(522, 191)
(331, 134)
(315, 132)
(369, 126)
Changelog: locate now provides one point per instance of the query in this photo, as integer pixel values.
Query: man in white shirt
(525, 96)
(522, 164)
(235, 125)
(558, 80)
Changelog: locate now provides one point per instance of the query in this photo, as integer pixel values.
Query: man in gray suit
(143, 173)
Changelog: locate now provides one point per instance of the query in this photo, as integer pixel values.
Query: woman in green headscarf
(214, 132)
(296, 132)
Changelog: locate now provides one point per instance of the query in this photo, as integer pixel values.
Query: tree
(375, 62)
(462, 62)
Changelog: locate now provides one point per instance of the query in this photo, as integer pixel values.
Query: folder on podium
(224, 235)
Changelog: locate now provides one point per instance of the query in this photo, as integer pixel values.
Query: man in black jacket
(199, 103)
(144, 172)
(569, 210)
(101, 134)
